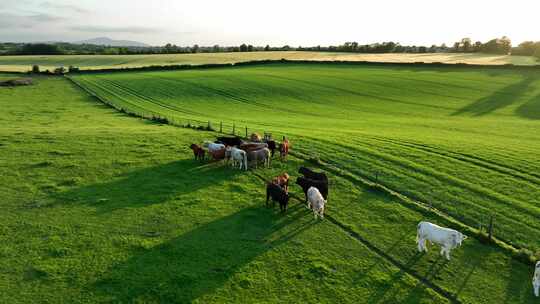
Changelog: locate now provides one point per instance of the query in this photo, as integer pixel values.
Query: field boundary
(176, 67)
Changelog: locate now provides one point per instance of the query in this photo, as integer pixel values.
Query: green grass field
(465, 141)
(102, 207)
(90, 62)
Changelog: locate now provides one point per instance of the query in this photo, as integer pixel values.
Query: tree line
(501, 46)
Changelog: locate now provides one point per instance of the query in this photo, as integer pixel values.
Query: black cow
(312, 174)
(272, 146)
(230, 141)
(277, 194)
(307, 183)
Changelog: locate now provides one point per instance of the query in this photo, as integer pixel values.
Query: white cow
(447, 238)
(536, 279)
(213, 147)
(238, 156)
(316, 202)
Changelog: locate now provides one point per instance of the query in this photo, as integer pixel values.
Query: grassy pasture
(100, 207)
(90, 62)
(465, 141)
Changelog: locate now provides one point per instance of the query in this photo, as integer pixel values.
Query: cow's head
(457, 239)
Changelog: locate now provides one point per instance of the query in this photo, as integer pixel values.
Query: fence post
(490, 229)
(209, 126)
(221, 127)
(246, 133)
(233, 129)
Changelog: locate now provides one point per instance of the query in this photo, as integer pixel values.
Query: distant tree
(243, 47)
(250, 48)
(456, 47)
(466, 45)
(498, 46)
(216, 48)
(195, 48)
(267, 48)
(422, 49)
(505, 45)
(40, 49)
(35, 69)
(477, 47)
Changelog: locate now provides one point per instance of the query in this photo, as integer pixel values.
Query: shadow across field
(152, 185)
(200, 261)
(530, 109)
(498, 99)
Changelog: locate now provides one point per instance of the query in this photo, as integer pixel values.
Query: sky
(276, 22)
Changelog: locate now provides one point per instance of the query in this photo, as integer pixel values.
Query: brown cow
(284, 149)
(282, 181)
(198, 152)
(218, 154)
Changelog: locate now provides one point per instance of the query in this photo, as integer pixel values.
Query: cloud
(64, 7)
(11, 21)
(115, 29)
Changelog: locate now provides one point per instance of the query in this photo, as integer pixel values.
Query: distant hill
(111, 42)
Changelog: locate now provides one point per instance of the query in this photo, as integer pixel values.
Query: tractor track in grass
(504, 201)
(478, 162)
(357, 237)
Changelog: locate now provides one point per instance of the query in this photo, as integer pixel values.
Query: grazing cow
(213, 146)
(536, 279)
(217, 154)
(259, 155)
(447, 238)
(284, 149)
(312, 174)
(238, 157)
(282, 181)
(316, 202)
(230, 141)
(251, 146)
(198, 152)
(307, 183)
(277, 194)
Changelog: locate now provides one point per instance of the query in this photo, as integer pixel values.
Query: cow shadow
(498, 99)
(147, 186)
(200, 261)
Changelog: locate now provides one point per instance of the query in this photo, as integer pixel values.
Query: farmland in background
(92, 62)
(464, 141)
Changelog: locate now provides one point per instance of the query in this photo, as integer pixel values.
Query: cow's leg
(447, 253)
(421, 244)
(322, 213)
(536, 285)
(442, 251)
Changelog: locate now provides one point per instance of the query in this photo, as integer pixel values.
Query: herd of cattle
(315, 188)
(241, 152)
